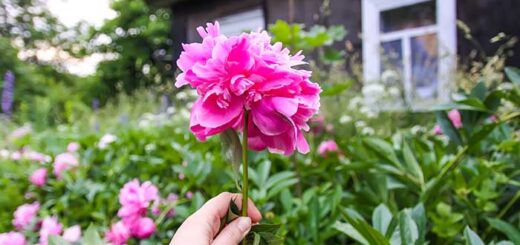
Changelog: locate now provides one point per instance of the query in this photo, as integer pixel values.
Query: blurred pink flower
(63, 162)
(73, 147)
(454, 116)
(136, 198)
(189, 194)
(15, 156)
(25, 214)
(142, 228)
(72, 234)
(172, 197)
(181, 176)
(156, 210)
(12, 238)
(20, 132)
(329, 128)
(317, 124)
(38, 178)
(118, 234)
(37, 157)
(50, 226)
(327, 146)
(493, 118)
(247, 72)
(437, 130)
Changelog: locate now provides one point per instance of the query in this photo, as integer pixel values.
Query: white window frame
(445, 28)
(251, 19)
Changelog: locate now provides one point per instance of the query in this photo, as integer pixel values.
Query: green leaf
(232, 149)
(350, 231)
(471, 237)
(371, 235)
(407, 228)
(266, 228)
(336, 89)
(314, 219)
(479, 91)
(265, 234)
(482, 134)
(471, 104)
(91, 236)
(383, 149)
(257, 238)
(513, 73)
(419, 216)
(509, 230)
(447, 127)
(57, 240)
(337, 32)
(381, 218)
(411, 163)
(331, 55)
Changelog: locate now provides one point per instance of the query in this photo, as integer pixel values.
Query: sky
(70, 12)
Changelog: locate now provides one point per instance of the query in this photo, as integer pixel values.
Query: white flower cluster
(25, 154)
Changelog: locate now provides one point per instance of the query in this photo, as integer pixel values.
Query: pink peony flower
(142, 228)
(25, 214)
(20, 132)
(15, 156)
(317, 124)
(136, 198)
(37, 157)
(189, 194)
(327, 146)
(156, 210)
(247, 72)
(38, 178)
(50, 226)
(72, 234)
(63, 162)
(118, 234)
(12, 238)
(437, 130)
(454, 116)
(73, 147)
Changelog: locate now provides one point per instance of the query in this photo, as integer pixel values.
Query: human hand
(203, 225)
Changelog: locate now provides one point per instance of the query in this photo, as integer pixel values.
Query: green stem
(245, 168)
(503, 212)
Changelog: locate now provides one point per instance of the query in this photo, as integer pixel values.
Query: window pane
(417, 15)
(392, 57)
(235, 24)
(425, 60)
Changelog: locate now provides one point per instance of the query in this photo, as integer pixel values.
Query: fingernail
(244, 223)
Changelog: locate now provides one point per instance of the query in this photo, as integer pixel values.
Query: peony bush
(449, 181)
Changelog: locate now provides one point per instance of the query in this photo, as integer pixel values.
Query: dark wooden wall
(486, 18)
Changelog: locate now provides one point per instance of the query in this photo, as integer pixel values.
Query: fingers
(204, 224)
(218, 206)
(234, 232)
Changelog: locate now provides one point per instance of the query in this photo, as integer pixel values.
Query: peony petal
(286, 106)
(301, 143)
(269, 121)
(210, 115)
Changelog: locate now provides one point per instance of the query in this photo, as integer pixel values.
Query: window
(250, 20)
(415, 39)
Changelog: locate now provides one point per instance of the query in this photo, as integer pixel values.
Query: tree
(136, 44)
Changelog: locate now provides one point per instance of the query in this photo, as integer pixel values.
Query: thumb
(234, 232)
